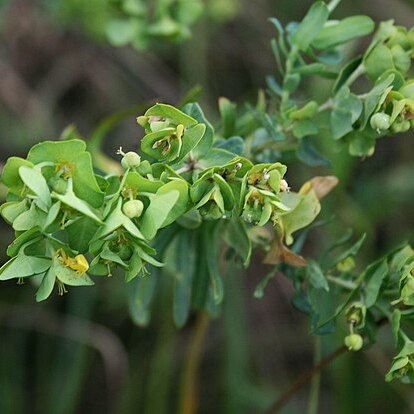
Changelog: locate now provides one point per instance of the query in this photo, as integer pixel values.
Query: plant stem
(316, 380)
(328, 104)
(343, 283)
(360, 70)
(189, 385)
(303, 380)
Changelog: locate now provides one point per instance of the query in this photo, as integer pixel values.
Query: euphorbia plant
(194, 186)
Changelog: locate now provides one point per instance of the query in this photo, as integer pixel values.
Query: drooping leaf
(24, 266)
(46, 287)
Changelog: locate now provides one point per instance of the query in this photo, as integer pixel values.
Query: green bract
(64, 211)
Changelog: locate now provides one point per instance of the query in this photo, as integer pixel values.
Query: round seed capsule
(133, 208)
(130, 160)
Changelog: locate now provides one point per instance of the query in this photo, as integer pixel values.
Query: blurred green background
(82, 353)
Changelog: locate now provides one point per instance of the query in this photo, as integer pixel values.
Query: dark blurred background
(82, 353)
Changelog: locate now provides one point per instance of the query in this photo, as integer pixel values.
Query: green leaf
(226, 192)
(33, 234)
(335, 33)
(307, 111)
(134, 267)
(347, 108)
(236, 236)
(80, 234)
(352, 251)
(181, 205)
(174, 114)
(374, 277)
(52, 215)
(316, 276)
(109, 256)
(304, 128)
(228, 117)
(191, 138)
(30, 218)
(10, 174)
(73, 155)
(33, 178)
(140, 296)
(308, 154)
(157, 212)
(137, 183)
(212, 236)
(311, 69)
(375, 97)
(46, 287)
(122, 31)
(301, 216)
(206, 141)
(24, 266)
(378, 61)
(185, 267)
(71, 200)
(216, 157)
(312, 24)
(234, 144)
(13, 209)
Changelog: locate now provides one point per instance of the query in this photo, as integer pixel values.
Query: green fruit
(58, 184)
(380, 121)
(133, 208)
(354, 342)
(401, 126)
(125, 252)
(131, 160)
(211, 211)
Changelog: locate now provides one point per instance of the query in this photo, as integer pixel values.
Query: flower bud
(131, 160)
(380, 121)
(133, 208)
(354, 342)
